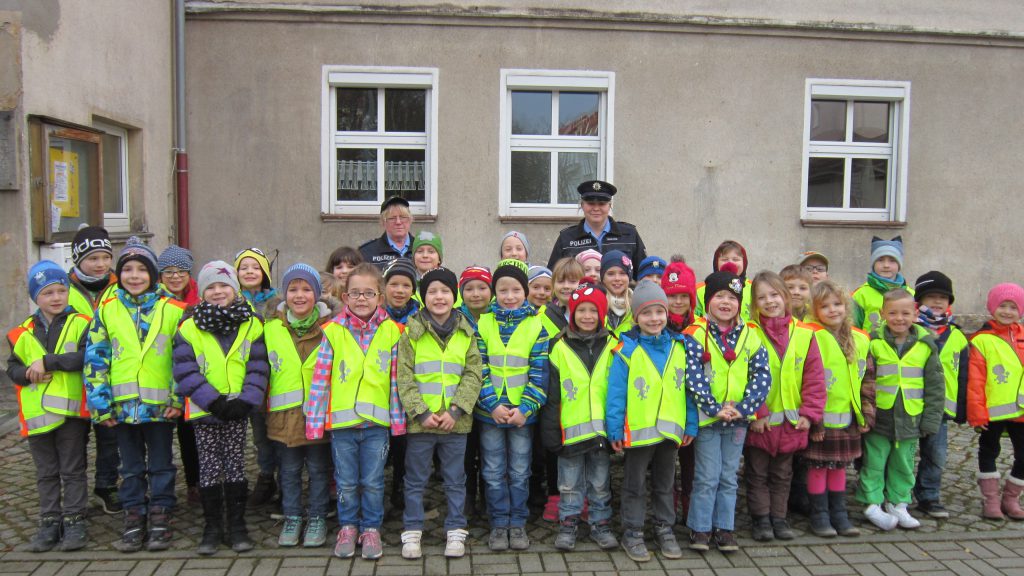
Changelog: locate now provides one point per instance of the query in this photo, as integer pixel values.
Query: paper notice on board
(60, 181)
(54, 218)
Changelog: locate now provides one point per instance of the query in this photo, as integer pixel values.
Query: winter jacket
(587, 347)
(575, 239)
(977, 407)
(894, 423)
(52, 360)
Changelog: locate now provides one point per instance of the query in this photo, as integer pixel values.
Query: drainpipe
(180, 137)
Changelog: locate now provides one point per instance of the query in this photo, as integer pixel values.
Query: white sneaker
(906, 521)
(880, 518)
(411, 549)
(456, 546)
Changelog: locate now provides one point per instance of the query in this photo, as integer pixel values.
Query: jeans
(933, 449)
(713, 502)
(60, 460)
(317, 460)
(359, 457)
(419, 460)
(108, 459)
(585, 476)
(146, 462)
(268, 457)
(505, 458)
(662, 460)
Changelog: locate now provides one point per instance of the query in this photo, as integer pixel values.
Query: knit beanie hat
(425, 238)
(218, 271)
(1002, 292)
(588, 292)
(511, 268)
(44, 273)
(650, 265)
(616, 259)
(536, 272)
(517, 235)
(590, 254)
(679, 278)
(892, 248)
(648, 293)
(481, 273)
(724, 279)
(88, 240)
(134, 249)
(260, 257)
(933, 282)
(401, 267)
(442, 275)
(175, 256)
(301, 271)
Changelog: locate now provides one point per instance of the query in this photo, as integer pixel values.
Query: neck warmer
(503, 315)
(883, 285)
(619, 304)
(931, 319)
(444, 330)
(221, 319)
(91, 283)
(260, 297)
(401, 315)
(302, 325)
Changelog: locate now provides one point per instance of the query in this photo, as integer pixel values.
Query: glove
(236, 409)
(218, 406)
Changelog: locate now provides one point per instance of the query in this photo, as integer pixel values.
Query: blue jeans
(717, 451)
(419, 460)
(933, 451)
(505, 458)
(268, 452)
(359, 457)
(146, 462)
(108, 459)
(585, 475)
(317, 460)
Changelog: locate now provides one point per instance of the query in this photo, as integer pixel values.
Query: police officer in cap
(597, 229)
(396, 241)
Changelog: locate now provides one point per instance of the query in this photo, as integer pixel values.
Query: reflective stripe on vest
(141, 370)
(843, 378)
(655, 402)
(361, 382)
(438, 372)
(224, 371)
(1004, 376)
(728, 380)
(509, 364)
(784, 400)
(949, 356)
(583, 394)
(895, 375)
(290, 377)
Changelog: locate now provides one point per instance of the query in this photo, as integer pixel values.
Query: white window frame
(118, 221)
(553, 80)
(335, 76)
(898, 94)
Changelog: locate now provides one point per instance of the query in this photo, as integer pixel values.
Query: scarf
(883, 285)
(444, 330)
(401, 315)
(260, 297)
(678, 322)
(933, 320)
(619, 304)
(221, 319)
(93, 284)
(504, 315)
(303, 325)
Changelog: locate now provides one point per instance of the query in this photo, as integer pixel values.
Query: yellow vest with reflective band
(1004, 377)
(81, 303)
(583, 394)
(549, 324)
(509, 365)
(728, 380)
(842, 378)
(225, 372)
(956, 344)
(141, 370)
(655, 403)
(784, 399)
(43, 406)
(745, 302)
(895, 375)
(361, 382)
(438, 372)
(624, 326)
(290, 377)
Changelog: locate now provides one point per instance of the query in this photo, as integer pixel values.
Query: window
(67, 180)
(115, 177)
(379, 139)
(856, 138)
(556, 131)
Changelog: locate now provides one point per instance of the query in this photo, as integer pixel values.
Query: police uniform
(379, 251)
(620, 236)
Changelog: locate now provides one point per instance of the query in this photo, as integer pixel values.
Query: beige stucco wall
(707, 144)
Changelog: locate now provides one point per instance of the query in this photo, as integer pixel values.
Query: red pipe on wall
(181, 174)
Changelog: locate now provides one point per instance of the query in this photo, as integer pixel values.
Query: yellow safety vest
(956, 344)
(509, 365)
(583, 394)
(361, 382)
(1004, 378)
(549, 325)
(290, 377)
(624, 325)
(870, 302)
(895, 375)
(81, 303)
(438, 372)
(698, 306)
(784, 398)
(655, 403)
(728, 379)
(225, 372)
(843, 378)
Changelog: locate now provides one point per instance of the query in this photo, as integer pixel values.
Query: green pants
(887, 473)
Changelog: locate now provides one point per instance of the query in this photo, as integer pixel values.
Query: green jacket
(418, 327)
(895, 424)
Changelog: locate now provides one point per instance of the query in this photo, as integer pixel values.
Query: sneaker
(316, 532)
(781, 529)
(933, 508)
(456, 545)
(109, 499)
(551, 509)
(47, 535)
(601, 534)
(518, 539)
(74, 533)
(159, 529)
(725, 541)
(498, 540)
(345, 547)
(666, 540)
(903, 517)
(633, 544)
(566, 538)
(133, 534)
(411, 548)
(289, 535)
(370, 541)
(880, 518)
(700, 541)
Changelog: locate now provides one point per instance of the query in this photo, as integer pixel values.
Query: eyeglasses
(356, 295)
(397, 219)
(819, 268)
(174, 273)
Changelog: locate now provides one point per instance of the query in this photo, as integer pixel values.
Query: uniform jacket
(379, 253)
(622, 236)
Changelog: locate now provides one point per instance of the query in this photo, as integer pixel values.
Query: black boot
(212, 498)
(821, 524)
(235, 494)
(761, 528)
(264, 491)
(837, 514)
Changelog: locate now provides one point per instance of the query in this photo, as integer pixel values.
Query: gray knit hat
(648, 293)
(217, 271)
(518, 236)
(175, 256)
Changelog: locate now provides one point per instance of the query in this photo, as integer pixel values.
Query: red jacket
(977, 406)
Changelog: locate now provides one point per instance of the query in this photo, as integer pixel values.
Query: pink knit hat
(1002, 292)
(590, 254)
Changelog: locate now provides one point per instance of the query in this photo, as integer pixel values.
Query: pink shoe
(346, 545)
(370, 541)
(551, 509)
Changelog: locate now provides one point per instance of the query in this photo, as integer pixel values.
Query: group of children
(508, 373)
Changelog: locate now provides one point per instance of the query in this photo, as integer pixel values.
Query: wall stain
(41, 17)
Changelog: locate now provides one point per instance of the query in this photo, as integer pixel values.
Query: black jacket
(551, 414)
(622, 236)
(379, 253)
(53, 362)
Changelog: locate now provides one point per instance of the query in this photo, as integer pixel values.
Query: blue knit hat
(650, 265)
(44, 273)
(616, 259)
(892, 248)
(305, 272)
(175, 256)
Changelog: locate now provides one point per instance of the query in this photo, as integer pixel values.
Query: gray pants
(60, 461)
(662, 459)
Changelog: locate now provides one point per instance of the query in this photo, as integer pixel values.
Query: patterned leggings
(221, 450)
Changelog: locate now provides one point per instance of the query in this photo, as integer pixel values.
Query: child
(514, 352)
(795, 401)
(591, 261)
(734, 252)
(292, 337)
(909, 399)
(439, 370)
(572, 422)
(515, 246)
(993, 408)
(354, 394)
(798, 285)
(650, 415)
(544, 466)
(175, 267)
(541, 284)
(651, 268)
(815, 264)
(679, 285)
(475, 289)
(427, 252)
(131, 389)
(339, 264)
(566, 277)
(46, 367)
(738, 380)
(933, 293)
(835, 442)
(616, 270)
(885, 275)
(399, 289)
(220, 365)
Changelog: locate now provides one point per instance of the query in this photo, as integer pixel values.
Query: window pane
(404, 174)
(868, 183)
(357, 109)
(531, 177)
(574, 168)
(72, 165)
(825, 183)
(357, 174)
(577, 113)
(405, 110)
(828, 121)
(531, 113)
(871, 121)
(113, 187)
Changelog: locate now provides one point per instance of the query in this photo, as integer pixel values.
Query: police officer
(396, 241)
(597, 229)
